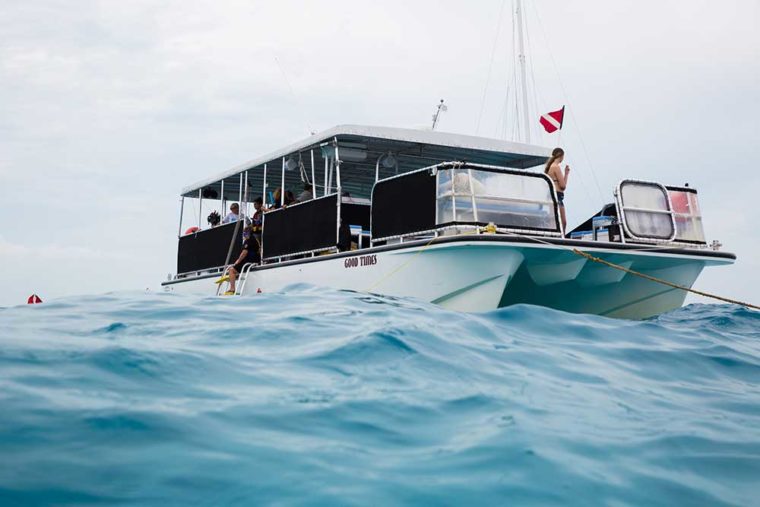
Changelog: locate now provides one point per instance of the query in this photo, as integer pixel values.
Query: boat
(468, 223)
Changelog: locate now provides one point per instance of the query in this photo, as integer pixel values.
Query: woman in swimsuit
(559, 178)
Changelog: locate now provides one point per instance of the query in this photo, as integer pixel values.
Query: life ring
(191, 230)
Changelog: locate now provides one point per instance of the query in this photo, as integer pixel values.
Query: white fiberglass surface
(507, 200)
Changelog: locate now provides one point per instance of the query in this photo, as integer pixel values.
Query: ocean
(323, 397)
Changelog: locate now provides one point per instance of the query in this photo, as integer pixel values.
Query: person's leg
(564, 220)
(233, 276)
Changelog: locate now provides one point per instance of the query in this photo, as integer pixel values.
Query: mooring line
(664, 282)
(577, 252)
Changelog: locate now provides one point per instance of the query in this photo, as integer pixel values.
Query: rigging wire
(295, 97)
(568, 101)
(490, 66)
(537, 96)
(532, 70)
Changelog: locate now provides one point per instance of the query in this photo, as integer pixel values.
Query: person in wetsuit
(559, 178)
(249, 254)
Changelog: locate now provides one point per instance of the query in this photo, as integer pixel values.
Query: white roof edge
(392, 133)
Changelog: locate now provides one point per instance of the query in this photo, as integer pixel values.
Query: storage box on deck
(600, 227)
(582, 235)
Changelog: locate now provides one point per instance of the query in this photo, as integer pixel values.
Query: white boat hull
(484, 275)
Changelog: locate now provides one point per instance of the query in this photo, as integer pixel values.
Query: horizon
(110, 110)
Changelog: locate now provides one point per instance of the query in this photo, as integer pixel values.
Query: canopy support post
(245, 197)
(337, 164)
(313, 177)
(264, 189)
(200, 206)
(282, 185)
(181, 215)
(324, 187)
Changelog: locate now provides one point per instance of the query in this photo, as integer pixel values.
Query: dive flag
(553, 121)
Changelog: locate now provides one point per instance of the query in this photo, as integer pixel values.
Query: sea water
(321, 397)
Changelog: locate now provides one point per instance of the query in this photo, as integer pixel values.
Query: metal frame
(200, 206)
(435, 169)
(622, 218)
(181, 216)
(264, 189)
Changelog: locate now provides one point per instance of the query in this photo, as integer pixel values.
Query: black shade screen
(403, 205)
(208, 248)
(308, 226)
(609, 210)
(355, 214)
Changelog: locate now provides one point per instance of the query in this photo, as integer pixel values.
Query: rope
(401, 266)
(577, 252)
(664, 282)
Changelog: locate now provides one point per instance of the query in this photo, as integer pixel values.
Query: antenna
(440, 109)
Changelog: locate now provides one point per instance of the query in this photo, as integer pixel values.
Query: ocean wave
(317, 396)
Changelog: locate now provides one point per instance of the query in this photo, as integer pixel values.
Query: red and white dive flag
(552, 122)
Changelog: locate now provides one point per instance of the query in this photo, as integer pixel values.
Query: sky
(108, 109)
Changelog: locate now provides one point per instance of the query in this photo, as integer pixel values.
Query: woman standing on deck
(559, 179)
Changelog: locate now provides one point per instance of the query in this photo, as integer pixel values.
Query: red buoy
(33, 300)
(191, 230)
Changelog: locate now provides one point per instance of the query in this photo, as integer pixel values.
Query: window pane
(507, 200)
(649, 225)
(445, 211)
(643, 195)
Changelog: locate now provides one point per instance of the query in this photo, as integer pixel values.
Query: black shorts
(561, 199)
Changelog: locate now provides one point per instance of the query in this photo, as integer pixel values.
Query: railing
(645, 211)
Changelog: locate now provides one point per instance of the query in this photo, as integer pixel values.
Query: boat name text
(364, 260)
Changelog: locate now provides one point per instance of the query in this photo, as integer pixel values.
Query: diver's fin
(225, 278)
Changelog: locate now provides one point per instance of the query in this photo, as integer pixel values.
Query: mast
(523, 80)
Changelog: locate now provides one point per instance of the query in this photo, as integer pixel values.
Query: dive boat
(464, 222)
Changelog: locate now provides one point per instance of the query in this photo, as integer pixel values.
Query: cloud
(109, 109)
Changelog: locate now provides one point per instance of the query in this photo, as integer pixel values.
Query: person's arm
(243, 255)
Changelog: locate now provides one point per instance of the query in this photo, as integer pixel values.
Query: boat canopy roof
(365, 152)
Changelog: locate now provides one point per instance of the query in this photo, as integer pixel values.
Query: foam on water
(329, 397)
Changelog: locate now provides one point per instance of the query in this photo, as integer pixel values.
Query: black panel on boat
(304, 227)
(207, 249)
(355, 214)
(404, 205)
(608, 210)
